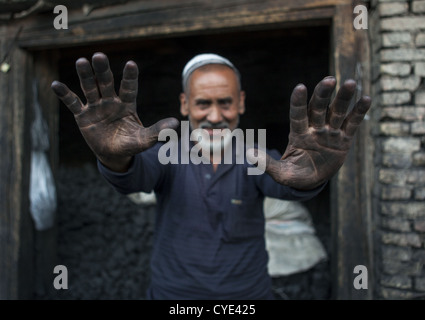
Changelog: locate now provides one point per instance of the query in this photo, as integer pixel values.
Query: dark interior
(271, 62)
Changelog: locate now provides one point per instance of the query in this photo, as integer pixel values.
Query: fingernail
(350, 81)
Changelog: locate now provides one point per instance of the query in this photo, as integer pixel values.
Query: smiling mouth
(214, 131)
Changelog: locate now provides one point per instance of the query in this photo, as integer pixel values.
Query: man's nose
(214, 116)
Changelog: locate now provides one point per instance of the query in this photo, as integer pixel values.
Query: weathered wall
(398, 60)
(16, 232)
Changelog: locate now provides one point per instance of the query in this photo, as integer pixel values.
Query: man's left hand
(321, 133)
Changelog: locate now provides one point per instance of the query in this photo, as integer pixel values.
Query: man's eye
(203, 104)
(225, 104)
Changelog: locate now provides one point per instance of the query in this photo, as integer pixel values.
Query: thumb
(263, 162)
(149, 135)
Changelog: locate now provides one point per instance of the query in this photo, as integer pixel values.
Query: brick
(403, 23)
(418, 127)
(391, 98)
(419, 194)
(419, 256)
(419, 159)
(420, 39)
(396, 294)
(419, 283)
(396, 281)
(403, 54)
(420, 97)
(396, 69)
(397, 253)
(416, 177)
(420, 69)
(398, 129)
(391, 176)
(411, 268)
(397, 160)
(402, 239)
(407, 113)
(395, 193)
(396, 224)
(398, 144)
(419, 226)
(409, 210)
(410, 83)
(392, 9)
(418, 6)
(393, 39)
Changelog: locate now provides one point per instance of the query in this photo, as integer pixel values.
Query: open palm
(320, 136)
(109, 122)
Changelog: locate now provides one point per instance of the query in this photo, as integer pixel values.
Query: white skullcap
(202, 60)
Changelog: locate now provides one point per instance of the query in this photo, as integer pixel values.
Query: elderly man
(209, 237)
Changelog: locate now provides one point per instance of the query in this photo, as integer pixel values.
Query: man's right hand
(109, 123)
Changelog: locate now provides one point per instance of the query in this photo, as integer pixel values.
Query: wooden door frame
(350, 188)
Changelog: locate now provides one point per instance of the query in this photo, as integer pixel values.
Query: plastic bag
(143, 198)
(42, 192)
(290, 238)
(42, 186)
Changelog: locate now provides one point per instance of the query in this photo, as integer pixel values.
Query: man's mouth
(214, 131)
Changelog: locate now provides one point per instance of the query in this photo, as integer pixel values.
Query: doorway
(105, 239)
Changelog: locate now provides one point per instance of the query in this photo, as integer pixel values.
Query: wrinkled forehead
(213, 75)
(213, 71)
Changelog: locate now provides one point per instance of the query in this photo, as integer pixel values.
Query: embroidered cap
(202, 60)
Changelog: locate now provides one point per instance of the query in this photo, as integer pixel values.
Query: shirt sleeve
(145, 174)
(273, 189)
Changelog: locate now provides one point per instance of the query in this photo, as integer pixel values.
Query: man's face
(214, 99)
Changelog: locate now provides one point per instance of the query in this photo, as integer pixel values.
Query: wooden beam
(46, 70)
(136, 21)
(349, 209)
(16, 227)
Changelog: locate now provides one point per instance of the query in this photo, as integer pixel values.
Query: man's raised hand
(321, 133)
(109, 123)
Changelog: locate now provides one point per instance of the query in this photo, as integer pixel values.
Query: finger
(263, 162)
(319, 102)
(339, 106)
(298, 109)
(356, 116)
(105, 79)
(87, 80)
(69, 98)
(129, 83)
(149, 136)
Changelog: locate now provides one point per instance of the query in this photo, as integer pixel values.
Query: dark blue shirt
(209, 234)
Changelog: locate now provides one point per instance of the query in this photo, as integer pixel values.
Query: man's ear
(241, 108)
(184, 105)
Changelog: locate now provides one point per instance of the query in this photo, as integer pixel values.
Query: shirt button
(207, 176)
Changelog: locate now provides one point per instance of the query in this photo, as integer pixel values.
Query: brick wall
(397, 33)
